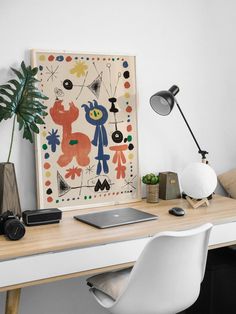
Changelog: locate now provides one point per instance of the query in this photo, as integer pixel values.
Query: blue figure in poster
(97, 115)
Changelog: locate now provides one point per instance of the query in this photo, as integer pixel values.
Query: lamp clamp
(203, 153)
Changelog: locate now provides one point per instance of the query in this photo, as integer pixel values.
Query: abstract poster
(87, 150)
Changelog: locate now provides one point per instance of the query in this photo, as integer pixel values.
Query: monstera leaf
(21, 99)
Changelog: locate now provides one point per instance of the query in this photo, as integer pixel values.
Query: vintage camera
(11, 226)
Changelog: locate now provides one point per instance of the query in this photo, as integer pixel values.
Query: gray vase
(9, 196)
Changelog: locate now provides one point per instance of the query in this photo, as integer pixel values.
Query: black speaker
(41, 216)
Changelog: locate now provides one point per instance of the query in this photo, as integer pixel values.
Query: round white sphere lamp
(198, 180)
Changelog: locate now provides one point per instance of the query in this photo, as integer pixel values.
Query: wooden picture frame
(87, 150)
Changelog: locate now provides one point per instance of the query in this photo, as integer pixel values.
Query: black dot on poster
(49, 191)
(126, 74)
(131, 147)
(125, 140)
(117, 136)
(67, 84)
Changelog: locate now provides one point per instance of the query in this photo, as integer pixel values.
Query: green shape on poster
(73, 142)
(129, 138)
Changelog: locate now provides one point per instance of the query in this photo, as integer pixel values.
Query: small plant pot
(152, 193)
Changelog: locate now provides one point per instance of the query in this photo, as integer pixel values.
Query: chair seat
(109, 284)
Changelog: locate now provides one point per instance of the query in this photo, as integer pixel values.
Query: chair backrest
(167, 276)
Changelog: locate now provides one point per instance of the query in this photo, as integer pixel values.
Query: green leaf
(33, 80)
(14, 82)
(24, 69)
(6, 93)
(27, 134)
(34, 71)
(21, 122)
(34, 128)
(154, 180)
(150, 178)
(5, 114)
(22, 97)
(18, 74)
(36, 103)
(28, 118)
(39, 95)
(7, 86)
(4, 101)
(38, 120)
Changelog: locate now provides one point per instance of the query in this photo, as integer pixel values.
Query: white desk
(72, 249)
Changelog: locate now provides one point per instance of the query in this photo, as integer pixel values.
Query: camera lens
(14, 229)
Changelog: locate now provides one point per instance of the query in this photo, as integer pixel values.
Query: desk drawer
(223, 233)
(42, 266)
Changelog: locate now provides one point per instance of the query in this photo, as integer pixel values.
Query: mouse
(177, 211)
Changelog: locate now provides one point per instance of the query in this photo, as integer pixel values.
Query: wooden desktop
(72, 249)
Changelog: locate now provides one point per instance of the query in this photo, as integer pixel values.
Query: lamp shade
(163, 102)
(198, 180)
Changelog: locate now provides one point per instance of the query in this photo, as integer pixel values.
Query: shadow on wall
(6, 73)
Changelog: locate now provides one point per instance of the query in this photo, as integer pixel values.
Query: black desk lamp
(163, 102)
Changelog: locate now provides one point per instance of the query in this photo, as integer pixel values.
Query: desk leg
(13, 301)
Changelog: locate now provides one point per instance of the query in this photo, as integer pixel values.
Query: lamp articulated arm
(200, 151)
(163, 102)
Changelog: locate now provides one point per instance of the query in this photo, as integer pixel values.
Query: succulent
(150, 178)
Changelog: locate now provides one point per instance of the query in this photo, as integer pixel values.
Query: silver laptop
(115, 217)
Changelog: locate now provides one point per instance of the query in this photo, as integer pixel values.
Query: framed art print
(87, 150)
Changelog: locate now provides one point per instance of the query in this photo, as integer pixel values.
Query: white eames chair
(166, 277)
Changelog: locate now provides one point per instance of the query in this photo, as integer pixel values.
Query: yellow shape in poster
(131, 156)
(79, 69)
(42, 57)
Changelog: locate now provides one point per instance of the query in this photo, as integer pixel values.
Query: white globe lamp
(198, 180)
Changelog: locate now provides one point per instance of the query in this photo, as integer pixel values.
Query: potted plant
(21, 101)
(152, 187)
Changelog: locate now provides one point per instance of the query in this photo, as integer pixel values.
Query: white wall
(190, 43)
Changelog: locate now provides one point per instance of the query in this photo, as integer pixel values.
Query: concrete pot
(152, 193)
